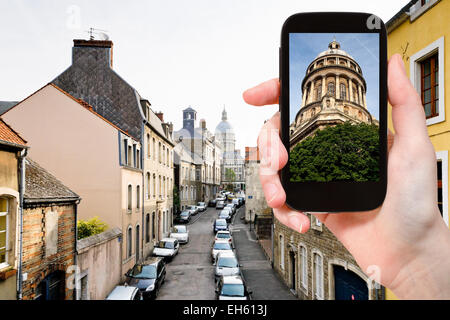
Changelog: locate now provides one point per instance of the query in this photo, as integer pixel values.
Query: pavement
(257, 270)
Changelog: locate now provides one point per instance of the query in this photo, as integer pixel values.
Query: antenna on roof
(97, 32)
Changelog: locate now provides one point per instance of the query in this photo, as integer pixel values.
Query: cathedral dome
(224, 126)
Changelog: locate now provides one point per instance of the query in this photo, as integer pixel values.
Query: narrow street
(190, 275)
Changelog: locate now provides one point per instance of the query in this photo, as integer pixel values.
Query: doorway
(292, 268)
(52, 287)
(348, 285)
(138, 253)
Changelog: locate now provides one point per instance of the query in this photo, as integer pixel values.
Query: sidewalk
(256, 268)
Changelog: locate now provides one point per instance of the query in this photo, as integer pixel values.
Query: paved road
(190, 275)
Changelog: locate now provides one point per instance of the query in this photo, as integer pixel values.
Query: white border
(414, 74)
(443, 156)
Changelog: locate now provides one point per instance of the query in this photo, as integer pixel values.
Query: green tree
(345, 152)
(176, 199)
(230, 175)
(87, 228)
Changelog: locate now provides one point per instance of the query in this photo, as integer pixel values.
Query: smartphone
(333, 105)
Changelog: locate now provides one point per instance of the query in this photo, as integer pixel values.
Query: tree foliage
(230, 175)
(176, 199)
(87, 228)
(345, 152)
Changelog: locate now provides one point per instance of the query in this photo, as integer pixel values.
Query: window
(147, 191)
(154, 143)
(318, 92)
(138, 162)
(164, 154)
(130, 191)
(318, 276)
(147, 228)
(134, 156)
(159, 186)
(138, 197)
(129, 242)
(343, 94)
(167, 157)
(154, 226)
(281, 245)
(154, 185)
(148, 146)
(429, 75)
(130, 154)
(355, 94)
(303, 267)
(159, 152)
(331, 88)
(3, 232)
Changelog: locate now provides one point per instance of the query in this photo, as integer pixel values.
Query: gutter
(21, 159)
(74, 296)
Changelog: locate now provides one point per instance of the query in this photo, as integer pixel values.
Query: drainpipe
(74, 296)
(21, 159)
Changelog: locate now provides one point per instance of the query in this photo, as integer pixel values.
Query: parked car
(181, 233)
(232, 207)
(226, 265)
(229, 210)
(220, 204)
(236, 202)
(148, 277)
(125, 293)
(184, 217)
(225, 214)
(220, 224)
(224, 235)
(167, 248)
(232, 288)
(219, 246)
(230, 196)
(201, 206)
(193, 209)
(212, 203)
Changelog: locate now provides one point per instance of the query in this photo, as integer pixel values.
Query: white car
(193, 209)
(232, 288)
(201, 206)
(125, 293)
(224, 235)
(167, 248)
(181, 233)
(220, 246)
(226, 265)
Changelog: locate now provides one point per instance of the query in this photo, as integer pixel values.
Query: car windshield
(143, 272)
(201, 203)
(191, 207)
(223, 235)
(227, 262)
(233, 289)
(221, 222)
(222, 246)
(180, 229)
(184, 214)
(166, 245)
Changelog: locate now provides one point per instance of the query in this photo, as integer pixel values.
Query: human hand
(406, 237)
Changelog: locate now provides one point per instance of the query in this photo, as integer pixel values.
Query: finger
(408, 115)
(292, 219)
(273, 156)
(390, 140)
(263, 94)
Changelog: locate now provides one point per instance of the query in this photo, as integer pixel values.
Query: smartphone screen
(334, 107)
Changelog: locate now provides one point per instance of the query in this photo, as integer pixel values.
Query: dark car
(147, 277)
(212, 203)
(232, 288)
(184, 217)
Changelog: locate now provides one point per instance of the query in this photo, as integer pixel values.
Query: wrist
(425, 276)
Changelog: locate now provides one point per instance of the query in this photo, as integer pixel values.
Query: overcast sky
(202, 53)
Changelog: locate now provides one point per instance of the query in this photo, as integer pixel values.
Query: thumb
(408, 116)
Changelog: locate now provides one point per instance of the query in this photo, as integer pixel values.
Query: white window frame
(281, 246)
(414, 73)
(6, 214)
(303, 268)
(317, 295)
(443, 157)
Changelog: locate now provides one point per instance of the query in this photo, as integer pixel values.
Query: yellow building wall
(415, 36)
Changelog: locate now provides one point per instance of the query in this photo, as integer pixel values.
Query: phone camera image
(334, 107)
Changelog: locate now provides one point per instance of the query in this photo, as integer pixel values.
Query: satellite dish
(103, 35)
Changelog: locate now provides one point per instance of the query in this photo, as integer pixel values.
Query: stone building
(13, 149)
(205, 151)
(315, 265)
(233, 171)
(49, 236)
(333, 92)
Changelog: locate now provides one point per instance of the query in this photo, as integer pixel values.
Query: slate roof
(6, 105)
(9, 136)
(41, 186)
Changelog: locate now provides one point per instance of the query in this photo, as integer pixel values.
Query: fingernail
(271, 191)
(296, 222)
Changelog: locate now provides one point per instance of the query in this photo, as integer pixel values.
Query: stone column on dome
(338, 94)
(364, 100)
(304, 96)
(311, 92)
(350, 90)
(360, 95)
(323, 86)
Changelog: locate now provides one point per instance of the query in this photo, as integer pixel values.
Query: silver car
(181, 233)
(226, 265)
(125, 293)
(220, 246)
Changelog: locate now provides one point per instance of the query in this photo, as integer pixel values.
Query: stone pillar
(350, 90)
(304, 96)
(311, 92)
(360, 95)
(364, 100)
(323, 86)
(337, 88)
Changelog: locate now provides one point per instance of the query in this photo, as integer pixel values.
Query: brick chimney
(160, 115)
(203, 123)
(99, 50)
